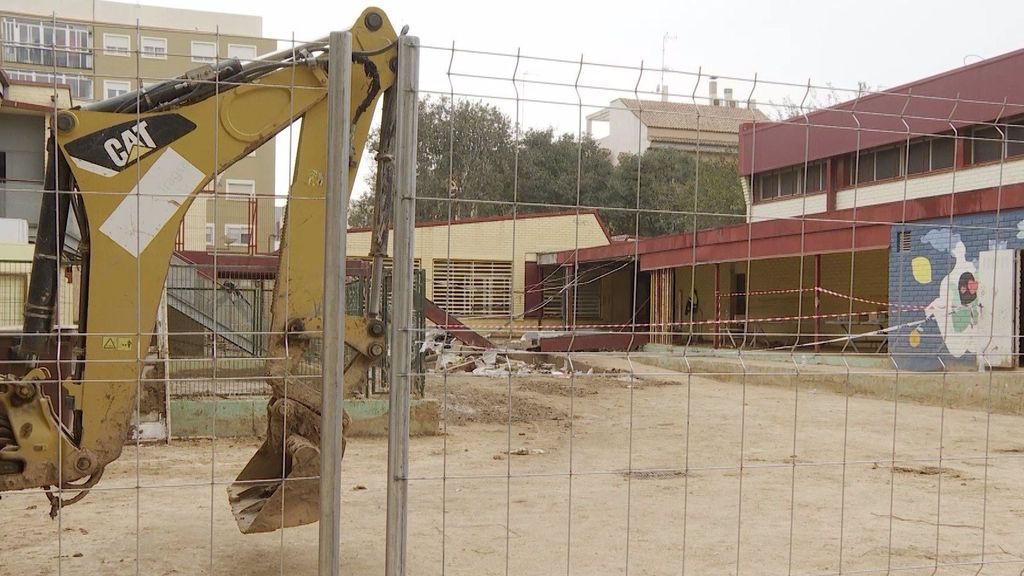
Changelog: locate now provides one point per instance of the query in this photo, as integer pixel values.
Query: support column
(569, 274)
(817, 302)
(718, 305)
(661, 306)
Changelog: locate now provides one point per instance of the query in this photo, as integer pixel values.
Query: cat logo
(111, 150)
(132, 143)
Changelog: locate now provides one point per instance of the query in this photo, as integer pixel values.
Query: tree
(664, 184)
(464, 163)
(360, 211)
(465, 160)
(553, 171)
(470, 164)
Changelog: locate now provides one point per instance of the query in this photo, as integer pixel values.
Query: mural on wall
(957, 310)
(973, 309)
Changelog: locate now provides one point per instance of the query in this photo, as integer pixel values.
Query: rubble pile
(449, 356)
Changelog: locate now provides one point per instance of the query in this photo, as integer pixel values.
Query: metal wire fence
(784, 365)
(662, 321)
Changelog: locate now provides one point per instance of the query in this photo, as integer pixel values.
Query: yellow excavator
(126, 170)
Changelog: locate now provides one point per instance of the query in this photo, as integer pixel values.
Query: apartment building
(100, 49)
(632, 126)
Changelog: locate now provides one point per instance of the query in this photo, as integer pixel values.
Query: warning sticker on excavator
(117, 343)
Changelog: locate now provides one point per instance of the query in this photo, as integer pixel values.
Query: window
(237, 234)
(991, 143)
(986, 145)
(243, 190)
(3, 167)
(1015, 140)
(865, 167)
(790, 181)
(473, 287)
(243, 52)
(927, 154)
(768, 185)
(814, 178)
(45, 43)
(943, 152)
(887, 164)
(115, 88)
(80, 86)
(873, 165)
(210, 233)
(205, 52)
(117, 45)
(152, 47)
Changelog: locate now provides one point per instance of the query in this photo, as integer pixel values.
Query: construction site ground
(656, 487)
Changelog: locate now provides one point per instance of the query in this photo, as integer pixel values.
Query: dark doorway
(739, 297)
(642, 300)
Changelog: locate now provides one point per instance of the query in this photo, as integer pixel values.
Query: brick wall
(516, 241)
(919, 268)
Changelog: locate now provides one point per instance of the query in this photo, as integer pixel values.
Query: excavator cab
(125, 171)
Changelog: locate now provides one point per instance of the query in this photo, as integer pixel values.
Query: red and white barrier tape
(866, 301)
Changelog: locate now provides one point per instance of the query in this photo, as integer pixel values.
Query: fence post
(333, 358)
(407, 104)
(163, 355)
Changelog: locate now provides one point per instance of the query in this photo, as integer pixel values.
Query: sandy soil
(657, 488)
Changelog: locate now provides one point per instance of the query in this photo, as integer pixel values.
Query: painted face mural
(968, 287)
(967, 315)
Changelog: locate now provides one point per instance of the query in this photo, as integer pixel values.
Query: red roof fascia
(814, 234)
(985, 91)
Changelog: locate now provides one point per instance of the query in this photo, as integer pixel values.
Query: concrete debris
(525, 452)
(435, 340)
(496, 364)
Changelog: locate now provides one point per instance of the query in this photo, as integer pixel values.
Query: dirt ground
(656, 488)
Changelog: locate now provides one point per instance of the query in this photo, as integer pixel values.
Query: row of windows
(156, 48)
(80, 86)
(921, 156)
(791, 181)
(991, 144)
(983, 144)
(46, 43)
(234, 234)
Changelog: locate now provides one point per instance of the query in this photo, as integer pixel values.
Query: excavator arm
(127, 169)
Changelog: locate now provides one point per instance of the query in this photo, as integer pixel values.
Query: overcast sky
(881, 42)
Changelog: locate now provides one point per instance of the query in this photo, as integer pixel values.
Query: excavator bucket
(280, 486)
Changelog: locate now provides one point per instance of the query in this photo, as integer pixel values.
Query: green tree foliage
(470, 164)
(671, 194)
(465, 156)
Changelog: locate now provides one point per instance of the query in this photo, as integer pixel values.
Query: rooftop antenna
(664, 41)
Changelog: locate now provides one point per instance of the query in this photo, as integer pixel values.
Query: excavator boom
(127, 170)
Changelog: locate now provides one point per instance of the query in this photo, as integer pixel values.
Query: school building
(892, 223)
